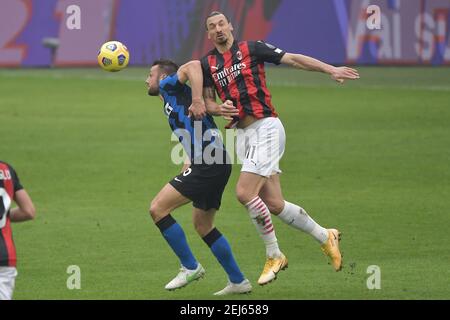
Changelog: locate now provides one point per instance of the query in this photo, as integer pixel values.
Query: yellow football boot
(271, 268)
(331, 249)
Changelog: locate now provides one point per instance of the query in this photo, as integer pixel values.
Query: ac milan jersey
(9, 185)
(238, 75)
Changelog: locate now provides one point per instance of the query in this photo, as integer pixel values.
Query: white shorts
(260, 146)
(7, 281)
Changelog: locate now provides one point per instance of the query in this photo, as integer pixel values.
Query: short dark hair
(167, 66)
(213, 14)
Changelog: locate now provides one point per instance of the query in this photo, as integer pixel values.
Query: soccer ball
(113, 56)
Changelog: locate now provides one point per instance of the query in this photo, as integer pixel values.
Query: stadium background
(414, 32)
(371, 157)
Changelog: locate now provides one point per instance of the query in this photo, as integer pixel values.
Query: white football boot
(185, 276)
(235, 288)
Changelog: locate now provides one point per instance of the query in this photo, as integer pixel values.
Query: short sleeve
(267, 52)
(171, 84)
(15, 178)
(207, 77)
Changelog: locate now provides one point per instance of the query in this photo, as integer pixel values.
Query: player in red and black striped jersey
(10, 190)
(235, 70)
(238, 75)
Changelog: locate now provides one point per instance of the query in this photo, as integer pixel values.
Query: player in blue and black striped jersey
(201, 182)
(200, 139)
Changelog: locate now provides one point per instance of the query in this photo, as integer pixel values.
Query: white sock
(297, 217)
(262, 220)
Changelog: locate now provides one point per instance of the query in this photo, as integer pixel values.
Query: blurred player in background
(235, 69)
(202, 180)
(10, 190)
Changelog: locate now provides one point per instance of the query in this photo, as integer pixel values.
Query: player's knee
(243, 195)
(275, 206)
(202, 227)
(155, 210)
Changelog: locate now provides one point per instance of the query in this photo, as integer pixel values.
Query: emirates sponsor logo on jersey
(226, 75)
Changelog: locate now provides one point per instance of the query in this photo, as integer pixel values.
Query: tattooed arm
(226, 110)
(209, 95)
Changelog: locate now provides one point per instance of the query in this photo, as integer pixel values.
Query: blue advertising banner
(336, 31)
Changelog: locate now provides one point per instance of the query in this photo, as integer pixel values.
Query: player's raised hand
(340, 74)
(228, 110)
(197, 109)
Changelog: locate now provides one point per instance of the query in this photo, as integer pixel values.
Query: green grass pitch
(371, 157)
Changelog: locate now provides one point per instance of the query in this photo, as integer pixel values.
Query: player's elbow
(25, 204)
(190, 66)
(194, 64)
(29, 212)
(188, 71)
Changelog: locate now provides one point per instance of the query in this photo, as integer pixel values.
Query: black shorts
(203, 184)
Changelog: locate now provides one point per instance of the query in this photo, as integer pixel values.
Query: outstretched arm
(192, 72)
(339, 74)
